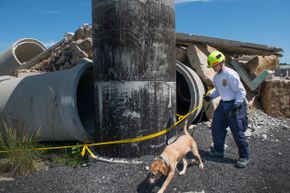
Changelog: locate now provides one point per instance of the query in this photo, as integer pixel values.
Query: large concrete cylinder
(21, 51)
(190, 91)
(134, 73)
(58, 104)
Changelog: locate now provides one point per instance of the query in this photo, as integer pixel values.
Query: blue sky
(256, 21)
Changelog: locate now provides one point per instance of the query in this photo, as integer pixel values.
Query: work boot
(214, 153)
(242, 163)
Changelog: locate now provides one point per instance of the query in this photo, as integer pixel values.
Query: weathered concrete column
(134, 73)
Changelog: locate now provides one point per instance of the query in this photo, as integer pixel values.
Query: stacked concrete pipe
(58, 104)
(23, 50)
(134, 73)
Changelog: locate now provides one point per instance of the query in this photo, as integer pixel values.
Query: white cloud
(188, 1)
(49, 43)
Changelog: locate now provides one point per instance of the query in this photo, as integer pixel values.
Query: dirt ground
(268, 171)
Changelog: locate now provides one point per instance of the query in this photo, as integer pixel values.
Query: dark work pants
(225, 117)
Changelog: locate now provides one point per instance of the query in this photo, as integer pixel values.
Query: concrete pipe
(58, 104)
(134, 73)
(20, 52)
(190, 91)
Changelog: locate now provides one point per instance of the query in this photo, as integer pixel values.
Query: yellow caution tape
(179, 116)
(131, 140)
(137, 139)
(83, 152)
(44, 148)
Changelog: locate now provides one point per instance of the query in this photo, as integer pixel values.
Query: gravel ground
(268, 171)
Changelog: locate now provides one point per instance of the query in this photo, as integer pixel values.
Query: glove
(237, 106)
(207, 98)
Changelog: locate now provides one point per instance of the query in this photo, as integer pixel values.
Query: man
(231, 111)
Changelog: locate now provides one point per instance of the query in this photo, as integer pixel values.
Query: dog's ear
(154, 166)
(164, 169)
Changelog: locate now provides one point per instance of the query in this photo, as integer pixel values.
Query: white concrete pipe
(190, 91)
(23, 50)
(58, 104)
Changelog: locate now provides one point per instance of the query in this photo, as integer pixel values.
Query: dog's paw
(181, 173)
(191, 127)
(201, 166)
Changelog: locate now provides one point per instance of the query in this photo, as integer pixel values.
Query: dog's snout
(151, 180)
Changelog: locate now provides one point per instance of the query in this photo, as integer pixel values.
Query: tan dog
(166, 163)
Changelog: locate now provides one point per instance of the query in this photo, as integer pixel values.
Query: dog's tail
(185, 128)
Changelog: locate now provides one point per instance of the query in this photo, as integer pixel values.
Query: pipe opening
(85, 100)
(190, 90)
(24, 51)
(183, 95)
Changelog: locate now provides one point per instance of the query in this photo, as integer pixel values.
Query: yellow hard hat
(215, 58)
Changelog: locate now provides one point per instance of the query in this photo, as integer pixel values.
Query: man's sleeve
(238, 88)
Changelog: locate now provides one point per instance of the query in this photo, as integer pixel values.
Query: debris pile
(260, 124)
(254, 62)
(66, 53)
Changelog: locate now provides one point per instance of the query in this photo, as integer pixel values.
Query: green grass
(69, 157)
(18, 159)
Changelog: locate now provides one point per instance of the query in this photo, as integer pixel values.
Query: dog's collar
(160, 157)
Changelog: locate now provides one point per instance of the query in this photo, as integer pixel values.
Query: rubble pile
(68, 52)
(260, 124)
(255, 64)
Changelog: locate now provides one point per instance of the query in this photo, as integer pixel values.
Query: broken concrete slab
(258, 64)
(210, 107)
(197, 56)
(252, 84)
(275, 97)
(181, 54)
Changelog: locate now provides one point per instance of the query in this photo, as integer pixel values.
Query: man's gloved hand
(207, 98)
(237, 106)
